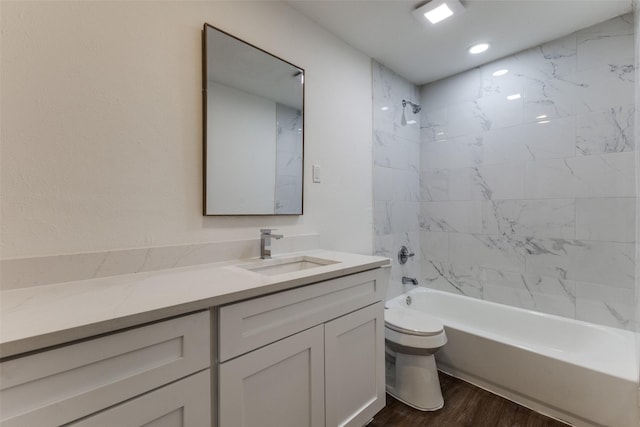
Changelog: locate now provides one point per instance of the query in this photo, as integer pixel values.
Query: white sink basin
(275, 266)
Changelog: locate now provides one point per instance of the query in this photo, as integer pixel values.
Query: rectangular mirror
(253, 129)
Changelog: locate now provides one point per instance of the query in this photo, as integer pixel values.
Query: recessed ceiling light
(478, 48)
(437, 10)
(500, 72)
(385, 108)
(541, 122)
(513, 97)
(541, 116)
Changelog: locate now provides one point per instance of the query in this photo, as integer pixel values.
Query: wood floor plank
(465, 406)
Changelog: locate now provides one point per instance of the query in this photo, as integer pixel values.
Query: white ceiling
(387, 31)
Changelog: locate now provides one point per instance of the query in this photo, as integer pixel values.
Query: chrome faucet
(407, 280)
(265, 242)
(404, 255)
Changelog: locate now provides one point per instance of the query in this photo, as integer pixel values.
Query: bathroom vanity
(292, 341)
(281, 354)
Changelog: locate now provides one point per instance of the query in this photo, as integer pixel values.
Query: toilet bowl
(412, 337)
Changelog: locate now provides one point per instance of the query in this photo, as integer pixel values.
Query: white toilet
(412, 337)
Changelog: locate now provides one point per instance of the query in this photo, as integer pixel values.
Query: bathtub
(577, 372)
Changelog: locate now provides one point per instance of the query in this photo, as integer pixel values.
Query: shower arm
(414, 107)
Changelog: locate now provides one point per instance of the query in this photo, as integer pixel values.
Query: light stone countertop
(41, 316)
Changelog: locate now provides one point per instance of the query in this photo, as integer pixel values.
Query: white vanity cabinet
(153, 375)
(311, 356)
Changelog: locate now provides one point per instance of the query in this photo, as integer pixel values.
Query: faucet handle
(404, 255)
(267, 230)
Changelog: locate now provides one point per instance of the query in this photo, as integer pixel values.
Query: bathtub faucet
(407, 280)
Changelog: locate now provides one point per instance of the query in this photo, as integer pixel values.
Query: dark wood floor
(465, 405)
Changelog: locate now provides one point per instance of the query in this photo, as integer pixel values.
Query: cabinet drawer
(63, 384)
(182, 404)
(254, 323)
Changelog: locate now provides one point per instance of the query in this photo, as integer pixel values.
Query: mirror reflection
(253, 130)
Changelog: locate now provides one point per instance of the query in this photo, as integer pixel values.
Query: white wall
(232, 189)
(101, 126)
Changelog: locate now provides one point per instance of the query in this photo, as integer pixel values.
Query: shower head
(414, 107)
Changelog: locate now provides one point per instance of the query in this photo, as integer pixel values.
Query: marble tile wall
(396, 174)
(288, 194)
(636, 17)
(531, 201)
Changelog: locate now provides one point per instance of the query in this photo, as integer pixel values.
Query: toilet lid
(412, 322)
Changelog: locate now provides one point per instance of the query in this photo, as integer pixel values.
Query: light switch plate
(316, 173)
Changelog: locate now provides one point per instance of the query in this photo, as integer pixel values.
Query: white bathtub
(578, 372)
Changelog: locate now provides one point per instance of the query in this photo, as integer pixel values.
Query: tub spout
(407, 280)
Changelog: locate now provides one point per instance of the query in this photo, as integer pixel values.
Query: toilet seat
(412, 322)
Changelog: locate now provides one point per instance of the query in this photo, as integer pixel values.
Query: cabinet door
(354, 363)
(280, 385)
(185, 403)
